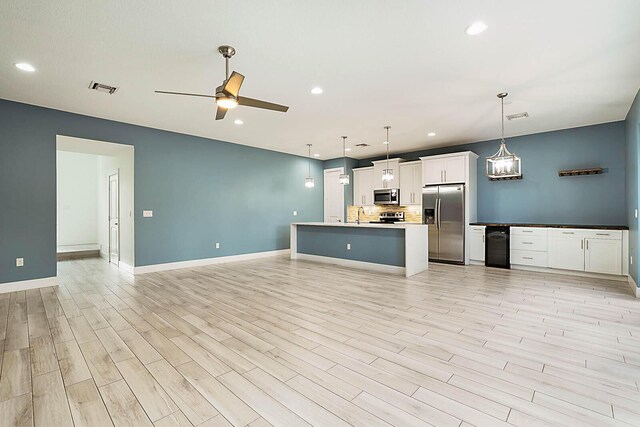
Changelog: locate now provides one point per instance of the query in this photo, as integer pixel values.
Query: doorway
(110, 184)
(333, 195)
(114, 216)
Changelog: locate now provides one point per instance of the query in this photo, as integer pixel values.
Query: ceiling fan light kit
(227, 94)
(503, 164)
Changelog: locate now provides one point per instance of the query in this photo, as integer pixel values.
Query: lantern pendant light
(387, 174)
(344, 177)
(309, 182)
(503, 164)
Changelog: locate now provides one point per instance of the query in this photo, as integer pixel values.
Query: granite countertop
(587, 227)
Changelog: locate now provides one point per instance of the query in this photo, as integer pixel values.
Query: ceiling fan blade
(186, 94)
(250, 102)
(220, 113)
(232, 86)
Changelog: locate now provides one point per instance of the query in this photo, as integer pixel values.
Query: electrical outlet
(348, 246)
(295, 213)
(636, 213)
(147, 214)
(19, 262)
(217, 245)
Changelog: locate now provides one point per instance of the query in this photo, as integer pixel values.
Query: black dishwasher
(496, 247)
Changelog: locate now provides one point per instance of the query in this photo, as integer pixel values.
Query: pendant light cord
(344, 153)
(309, 160)
(387, 128)
(502, 104)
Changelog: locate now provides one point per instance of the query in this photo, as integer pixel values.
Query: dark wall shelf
(577, 172)
(508, 178)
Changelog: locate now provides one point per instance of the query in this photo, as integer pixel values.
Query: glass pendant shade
(503, 164)
(387, 174)
(343, 179)
(309, 182)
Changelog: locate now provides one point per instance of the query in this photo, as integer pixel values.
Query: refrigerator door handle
(438, 213)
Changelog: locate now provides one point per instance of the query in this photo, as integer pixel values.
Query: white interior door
(333, 196)
(114, 219)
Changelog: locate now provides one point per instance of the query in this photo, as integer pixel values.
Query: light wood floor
(279, 342)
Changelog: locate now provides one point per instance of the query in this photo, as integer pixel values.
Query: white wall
(107, 165)
(77, 199)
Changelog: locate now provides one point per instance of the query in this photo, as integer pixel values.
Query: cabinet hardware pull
(568, 232)
(602, 234)
(483, 238)
(527, 257)
(445, 176)
(527, 231)
(582, 244)
(587, 245)
(527, 243)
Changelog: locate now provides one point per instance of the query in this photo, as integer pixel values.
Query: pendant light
(387, 174)
(309, 182)
(503, 164)
(344, 177)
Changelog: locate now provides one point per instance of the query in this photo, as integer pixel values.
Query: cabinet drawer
(477, 229)
(532, 258)
(529, 243)
(603, 234)
(528, 231)
(567, 232)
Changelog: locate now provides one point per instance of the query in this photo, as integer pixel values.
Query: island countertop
(362, 224)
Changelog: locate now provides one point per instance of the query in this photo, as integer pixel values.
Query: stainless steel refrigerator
(443, 211)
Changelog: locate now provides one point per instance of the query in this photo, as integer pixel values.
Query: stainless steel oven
(386, 196)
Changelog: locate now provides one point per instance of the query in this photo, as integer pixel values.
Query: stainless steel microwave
(386, 196)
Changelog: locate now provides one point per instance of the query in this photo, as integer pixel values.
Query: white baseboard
(206, 261)
(381, 268)
(634, 286)
(28, 284)
(123, 266)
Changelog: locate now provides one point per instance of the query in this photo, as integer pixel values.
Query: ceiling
(408, 64)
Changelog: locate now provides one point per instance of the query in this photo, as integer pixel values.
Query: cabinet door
(454, 169)
(406, 187)
(476, 250)
(603, 256)
(366, 186)
(566, 253)
(432, 171)
(416, 183)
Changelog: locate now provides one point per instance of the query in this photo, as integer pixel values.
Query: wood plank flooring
(287, 343)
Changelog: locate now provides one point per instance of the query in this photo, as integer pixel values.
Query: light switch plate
(217, 245)
(19, 262)
(636, 213)
(348, 246)
(147, 214)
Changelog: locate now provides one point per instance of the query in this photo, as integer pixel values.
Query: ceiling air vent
(518, 116)
(362, 145)
(103, 88)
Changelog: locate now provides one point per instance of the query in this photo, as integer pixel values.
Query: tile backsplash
(412, 213)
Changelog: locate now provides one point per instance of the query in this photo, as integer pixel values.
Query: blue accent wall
(377, 245)
(632, 124)
(542, 196)
(201, 190)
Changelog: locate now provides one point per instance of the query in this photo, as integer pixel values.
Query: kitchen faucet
(358, 220)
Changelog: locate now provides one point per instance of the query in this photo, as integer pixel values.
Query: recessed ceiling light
(431, 134)
(347, 149)
(238, 122)
(25, 67)
(316, 90)
(476, 28)
(316, 155)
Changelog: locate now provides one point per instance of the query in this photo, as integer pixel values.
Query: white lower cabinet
(603, 256)
(592, 251)
(476, 246)
(528, 246)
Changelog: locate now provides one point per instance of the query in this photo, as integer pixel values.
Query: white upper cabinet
(411, 183)
(379, 166)
(444, 169)
(363, 186)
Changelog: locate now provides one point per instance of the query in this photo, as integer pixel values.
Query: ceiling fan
(227, 94)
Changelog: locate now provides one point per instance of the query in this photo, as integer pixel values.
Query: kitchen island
(389, 248)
